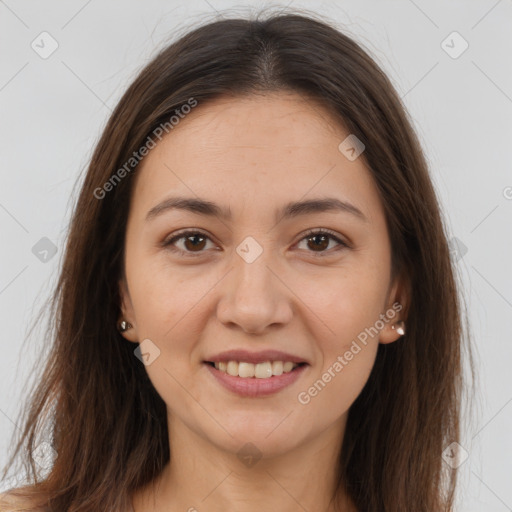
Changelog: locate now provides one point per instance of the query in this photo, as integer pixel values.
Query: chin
(261, 438)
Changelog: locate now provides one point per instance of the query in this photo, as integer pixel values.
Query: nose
(254, 297)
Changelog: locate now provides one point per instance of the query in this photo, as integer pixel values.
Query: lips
(255, 357)
(261, 374)
(256, 387)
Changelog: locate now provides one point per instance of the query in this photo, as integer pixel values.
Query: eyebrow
(290, 210)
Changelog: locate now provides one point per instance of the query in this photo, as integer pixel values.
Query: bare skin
(310, 297)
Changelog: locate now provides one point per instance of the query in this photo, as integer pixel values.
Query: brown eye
(193, 244)
(318, 241)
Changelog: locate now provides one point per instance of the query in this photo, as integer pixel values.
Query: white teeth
(277, 367)
(287, 367)
(232, 368)
(259, 371)
(246, 370)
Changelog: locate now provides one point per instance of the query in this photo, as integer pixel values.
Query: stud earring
(124, 326)
(399, 327)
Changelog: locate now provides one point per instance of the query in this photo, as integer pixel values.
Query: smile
(258, 371)
(254, 380)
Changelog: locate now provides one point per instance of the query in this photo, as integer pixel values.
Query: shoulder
(16, 501)
(10, 501)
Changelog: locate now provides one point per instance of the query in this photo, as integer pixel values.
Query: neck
(205, 476)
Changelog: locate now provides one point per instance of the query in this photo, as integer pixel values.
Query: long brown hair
(108, 425)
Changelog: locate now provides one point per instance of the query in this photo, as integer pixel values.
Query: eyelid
(169, 241)
(313, 231)
(342, 243)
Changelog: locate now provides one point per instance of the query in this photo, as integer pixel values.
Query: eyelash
(321, 254)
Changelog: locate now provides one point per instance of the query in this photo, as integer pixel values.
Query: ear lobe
(397, 305)
(390, 332)
(127, 313)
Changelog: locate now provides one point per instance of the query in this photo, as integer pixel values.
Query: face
(256, 276)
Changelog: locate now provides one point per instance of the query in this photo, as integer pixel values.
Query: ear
(397, 306)
(127, 312)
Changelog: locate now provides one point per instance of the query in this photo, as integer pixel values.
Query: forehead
(274, 147)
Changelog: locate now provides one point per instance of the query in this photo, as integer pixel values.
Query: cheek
(349, 306)
(348, 383)
(163, 298)
(172, 310)
(334, 387)
(348, 303)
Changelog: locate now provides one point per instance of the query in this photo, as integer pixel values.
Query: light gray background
(53, 110)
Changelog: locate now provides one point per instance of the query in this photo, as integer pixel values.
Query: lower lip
(253, 387)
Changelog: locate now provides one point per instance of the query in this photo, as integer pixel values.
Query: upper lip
(254, 357)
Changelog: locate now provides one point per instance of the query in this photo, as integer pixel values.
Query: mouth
(246, 370)
(255, 380)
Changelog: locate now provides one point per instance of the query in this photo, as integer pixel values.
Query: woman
(257, 308)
